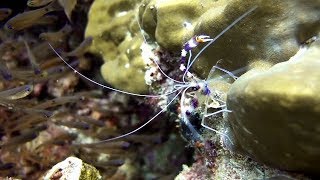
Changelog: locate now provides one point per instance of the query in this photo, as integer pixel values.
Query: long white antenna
(107, 87)
(218, 36)
(146, 123)
(154, 61)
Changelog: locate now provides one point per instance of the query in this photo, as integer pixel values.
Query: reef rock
(116, 37)
(275, 115)
(73, 168)
(273, 32)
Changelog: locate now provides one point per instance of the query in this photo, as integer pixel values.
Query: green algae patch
(117, 39)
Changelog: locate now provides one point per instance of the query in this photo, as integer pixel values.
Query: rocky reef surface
(269, 125)
(49, 113)
(274, 105)
(73, 168)
(113, 26)
(272, 33)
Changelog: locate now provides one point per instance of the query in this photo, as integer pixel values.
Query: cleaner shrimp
(186, 88)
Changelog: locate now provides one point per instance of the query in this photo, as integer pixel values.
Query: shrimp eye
(198, 39)
(188, 113)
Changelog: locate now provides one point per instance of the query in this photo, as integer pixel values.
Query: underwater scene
(159, 89)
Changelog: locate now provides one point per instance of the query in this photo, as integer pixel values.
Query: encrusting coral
(113, 26)
(276, 112)
(272, 33)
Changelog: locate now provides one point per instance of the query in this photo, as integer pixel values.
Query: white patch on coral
(148, 78)
(152, 73)
(123, 13)
(187, 25)
(251, 47)
(147, 53)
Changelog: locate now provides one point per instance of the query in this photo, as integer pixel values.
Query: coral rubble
(73, 168)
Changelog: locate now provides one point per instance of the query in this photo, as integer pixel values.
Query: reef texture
(275, 112)
(113, 26)
(272, 33)
(48, 113)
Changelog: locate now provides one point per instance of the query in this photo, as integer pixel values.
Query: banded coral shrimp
(185, 88)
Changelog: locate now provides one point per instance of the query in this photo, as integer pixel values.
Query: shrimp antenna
(218, 36)
(107, 87)
(143, 125)
(154, 61)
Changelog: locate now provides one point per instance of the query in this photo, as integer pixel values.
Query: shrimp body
(185, 89)
(189, 45)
